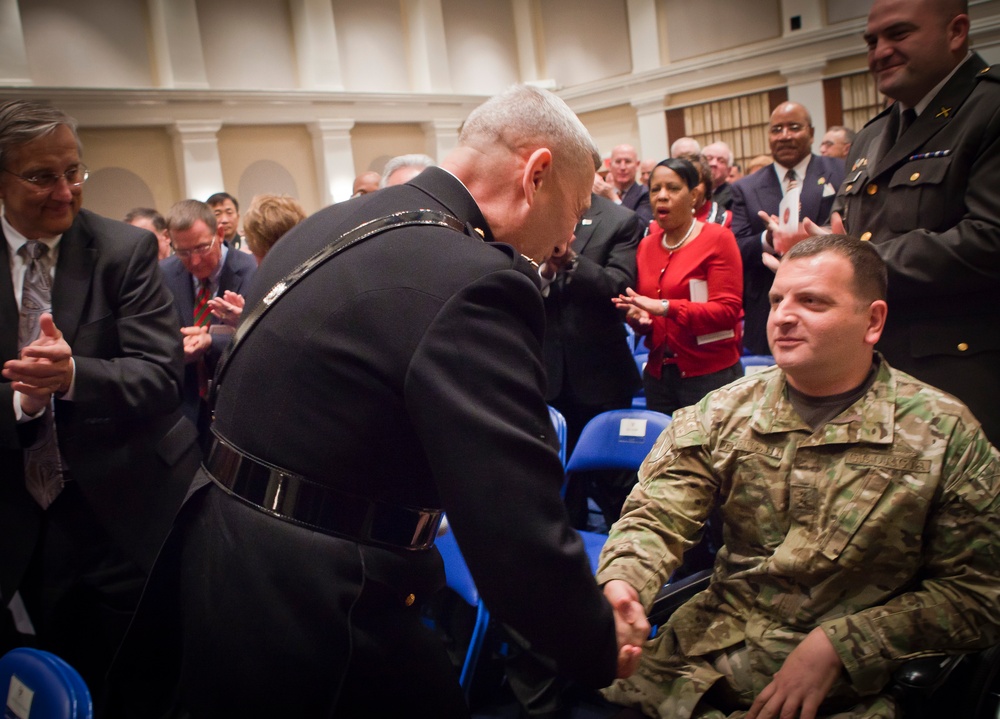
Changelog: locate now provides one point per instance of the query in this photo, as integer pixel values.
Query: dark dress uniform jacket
(123, 438)
(407, 369)
(930, 205)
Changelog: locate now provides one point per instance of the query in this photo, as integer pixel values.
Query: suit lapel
(935, 116)
(585, 230)
(769, 190)
(9, 315)
(71, 290)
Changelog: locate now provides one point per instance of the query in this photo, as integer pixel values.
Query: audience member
(836, 142)
(706, 209)
(366, 182)
(416, 385)
(687, 299)
(404, 168)
(860, 518)
(623, 189)
(929, 202)
(149, 219)
(719, 158)
(759, 162)
(735, 173)
(267, 220)
(791, 135)
(96, 456)
(645, 168)
(227, 216)
(202, 268)
(685, 147)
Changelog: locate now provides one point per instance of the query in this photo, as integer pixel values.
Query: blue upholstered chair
(40, 685)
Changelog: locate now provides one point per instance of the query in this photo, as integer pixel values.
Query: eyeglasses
(198, 251)
(793, 128)
(45, 181)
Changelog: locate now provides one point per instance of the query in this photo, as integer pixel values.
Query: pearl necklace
(684, 239)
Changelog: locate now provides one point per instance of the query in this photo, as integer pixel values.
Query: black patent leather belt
(295, 499)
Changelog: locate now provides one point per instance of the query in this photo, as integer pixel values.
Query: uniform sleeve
(145, 376)
(474, 394)
(665, 512)
(955, 603)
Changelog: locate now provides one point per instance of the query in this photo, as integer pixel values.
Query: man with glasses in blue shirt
(202, 267)
(95, 455)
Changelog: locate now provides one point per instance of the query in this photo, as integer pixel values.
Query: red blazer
(713, 257)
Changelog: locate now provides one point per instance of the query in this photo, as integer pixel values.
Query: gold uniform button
(914, 177)
(410, 599)
(848, 188)
(963, 347)
(866, 236)
(871, 189)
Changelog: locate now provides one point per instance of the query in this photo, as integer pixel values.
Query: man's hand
(196, 343)
(557, 263)
(631, 625)
(782, 241)
(803, 681)
(228, 308)
(808, 227)
(605, 189)
(45, 367)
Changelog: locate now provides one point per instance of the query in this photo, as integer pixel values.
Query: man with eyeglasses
(95, 455)
(202, 267)
(795, 165)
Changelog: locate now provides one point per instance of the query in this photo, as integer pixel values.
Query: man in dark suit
(201, 265)
(403, 376)
(623, 188)
(720, 159)
(95, 454)
(791, 136)
(922, 187)
(588, 363)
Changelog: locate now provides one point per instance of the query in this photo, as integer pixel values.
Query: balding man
(623, 188)
(685, 147)
(720, 158)
(404, 168)
(405, 378)
(922, 186)
(836, 142)
(791, 136)
(366, 182)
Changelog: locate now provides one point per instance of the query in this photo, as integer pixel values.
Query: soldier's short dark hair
(219, 197)
(871, 278)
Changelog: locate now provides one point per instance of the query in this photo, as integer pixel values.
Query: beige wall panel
(482, 46)
(578, 49)
(707, 26)
(147, 153)
(841, 10)
(375, 144)
(248, 44)
(372, 45)
(729, 89)
(98, 43)
(612, 126)
(289, 146)
(846, 65)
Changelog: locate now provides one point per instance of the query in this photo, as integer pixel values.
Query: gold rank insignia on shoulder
(860, 162)
(945, 112)
(985, 70)
(480, 232)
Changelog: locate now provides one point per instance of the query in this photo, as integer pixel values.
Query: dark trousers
(670, 391)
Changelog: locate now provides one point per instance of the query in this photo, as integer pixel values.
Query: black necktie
(906, 119)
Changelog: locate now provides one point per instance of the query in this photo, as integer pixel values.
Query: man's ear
(877, 312)
(537, 169)
(958, 32)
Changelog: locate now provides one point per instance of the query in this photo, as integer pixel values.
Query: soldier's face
(820, 332)
(912, 46)
(41, 212)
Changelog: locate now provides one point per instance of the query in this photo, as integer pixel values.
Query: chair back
(40, 685)
(756, 363)
(559, 422)
(618, 439)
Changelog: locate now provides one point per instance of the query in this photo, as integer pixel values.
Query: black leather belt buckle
(293, 498)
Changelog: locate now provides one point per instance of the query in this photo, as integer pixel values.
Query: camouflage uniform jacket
(881, 526)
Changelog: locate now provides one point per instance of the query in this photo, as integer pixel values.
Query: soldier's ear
(877, 312)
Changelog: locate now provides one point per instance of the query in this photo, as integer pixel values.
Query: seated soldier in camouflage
(859, 510)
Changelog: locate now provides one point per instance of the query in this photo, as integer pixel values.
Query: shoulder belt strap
(348, 239)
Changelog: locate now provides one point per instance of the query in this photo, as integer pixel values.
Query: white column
(334, 159)
(316, 45)
(196, 148)
(423, 23)
(176, 36)
(442, 137)
(652, 117)
(526, 34)
(805, 86)
(13, 55)
(644, 35)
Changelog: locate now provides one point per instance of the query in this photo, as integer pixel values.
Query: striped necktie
(202, 315)
(43, 473)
